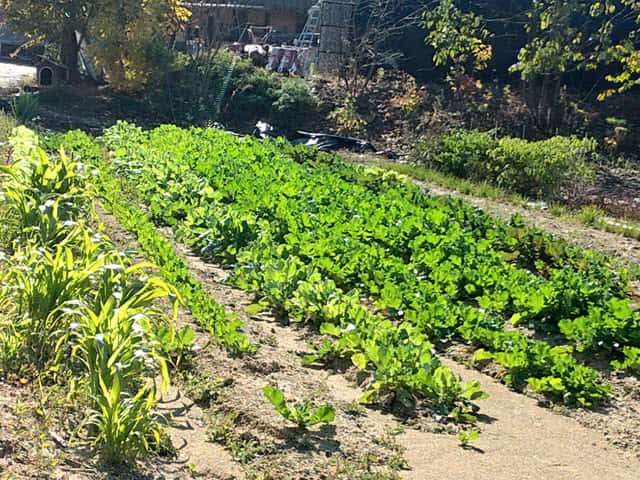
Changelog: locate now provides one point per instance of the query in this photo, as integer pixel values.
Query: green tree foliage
(625, 52)
(127, 38)
(130, 39)
(55, 22)
(552, 38)
(459, 39)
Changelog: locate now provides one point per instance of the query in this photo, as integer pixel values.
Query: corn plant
(38, 286)
(121, 351)
(121, 281)
(38, 222)
(11, 343)
(45, 196)
(10, 228)
(123, 424)
(82, 306)
(44, 176)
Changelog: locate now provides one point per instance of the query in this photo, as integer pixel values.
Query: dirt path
(12, 74)
(520, 441)
(627, 250)
(188, 431)
(346, 446)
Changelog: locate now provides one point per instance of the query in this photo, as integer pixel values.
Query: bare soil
(519, 440)
(12, 75)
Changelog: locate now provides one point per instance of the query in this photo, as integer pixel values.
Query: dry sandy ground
(11, 74)
(520, 441)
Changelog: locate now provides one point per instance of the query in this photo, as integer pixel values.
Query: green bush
(542, 168)
(252, 91)
(539, 169)
(462, 153)
(25, 107)
(207, 84)
(212, 86)
(294, 103)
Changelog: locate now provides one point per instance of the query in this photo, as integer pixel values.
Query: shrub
(252, 91)
(210, 83)
(294, 103)
(219, 86)
(25, 107)
(540, 169)
(462, 153)
(347, 118)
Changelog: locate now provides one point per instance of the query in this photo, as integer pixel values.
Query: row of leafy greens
(319, 239)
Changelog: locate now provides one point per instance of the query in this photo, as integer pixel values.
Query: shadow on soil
(320, 440)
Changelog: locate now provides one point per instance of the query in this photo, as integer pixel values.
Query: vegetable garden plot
(314, 237)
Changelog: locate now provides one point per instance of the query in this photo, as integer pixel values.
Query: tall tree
(575, 35)
(125, 36)
(54, 21)
(129, 39)
(622, 23)
(552, 39)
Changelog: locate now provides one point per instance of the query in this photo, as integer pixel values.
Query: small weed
(517, 199)
(590, 215)
(222, 430)
(347, 118)
(302, 414)
(370, 460)
(204, 389)
(467, 438)
(490, 191)
(557, 210)
(398, 462)
(355, 409)
(245, 451)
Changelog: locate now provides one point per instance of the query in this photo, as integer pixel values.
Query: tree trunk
(69, 54)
